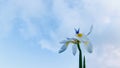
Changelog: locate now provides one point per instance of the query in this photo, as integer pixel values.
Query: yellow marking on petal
(67, 43)
(86, 42)
(73, 42)
(79, 35)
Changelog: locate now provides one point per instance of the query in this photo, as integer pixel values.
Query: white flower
(80, 38)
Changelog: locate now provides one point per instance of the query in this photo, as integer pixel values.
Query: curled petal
(63, 48)
(63, 42)
(88, 46)
(71, 39)
(91, 28)
(84, 38)
(74, 49)
(68, 40)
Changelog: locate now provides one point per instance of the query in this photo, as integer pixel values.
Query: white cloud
(111, 5)
(106, 20)
(106, 56)
(7, 15)
(24, 10)
(30, 8)
(111, 57)
(51, 45)
(101, 13)
(46, 45)
(28, 31)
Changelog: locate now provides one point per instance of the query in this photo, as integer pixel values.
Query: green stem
(84, 64)
(80, 56)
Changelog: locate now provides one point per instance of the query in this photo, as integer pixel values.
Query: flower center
(79, 35)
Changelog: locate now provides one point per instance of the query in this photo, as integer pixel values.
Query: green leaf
(84, 64)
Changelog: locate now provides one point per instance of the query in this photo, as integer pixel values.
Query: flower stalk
(80, 56)
(84, 63)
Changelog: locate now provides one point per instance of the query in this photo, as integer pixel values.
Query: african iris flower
(79, 38)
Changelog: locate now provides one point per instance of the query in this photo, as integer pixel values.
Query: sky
(30, 32)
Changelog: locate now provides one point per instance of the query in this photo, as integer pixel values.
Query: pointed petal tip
(74, 54)
(90, 51)
(63, 41)
(74, 49)
(60, 51)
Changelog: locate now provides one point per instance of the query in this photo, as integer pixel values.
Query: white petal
(84, 38)
(63, 42)
(88, 46)
(91, 28)
(87, 43)
(67, 40)
(70, 39)
(74, 49)
(63, 48)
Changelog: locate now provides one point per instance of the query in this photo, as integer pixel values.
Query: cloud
(106, 56)
(47, 45)
(38, 19)
(11, 10)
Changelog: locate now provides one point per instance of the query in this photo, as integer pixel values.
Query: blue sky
(30, 32)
